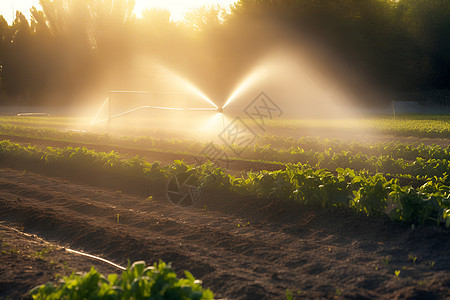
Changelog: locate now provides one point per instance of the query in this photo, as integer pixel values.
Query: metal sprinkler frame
(219, 110)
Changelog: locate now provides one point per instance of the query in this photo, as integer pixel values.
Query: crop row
(417, 161)
(396, 150)
(438, 127)
(138, 281)
(371, 195)
(145, 142)
(417, 168)
(357, 190)
(408, 151)
(433, 126)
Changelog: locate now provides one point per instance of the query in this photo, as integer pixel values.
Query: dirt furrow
(80, 222)
(240, 256)
(116, 208)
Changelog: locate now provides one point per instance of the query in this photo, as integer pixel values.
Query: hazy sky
(176, 7)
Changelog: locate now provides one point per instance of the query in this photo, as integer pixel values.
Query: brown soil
(27, 260)
(241, 248)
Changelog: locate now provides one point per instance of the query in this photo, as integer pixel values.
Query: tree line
(72, 48)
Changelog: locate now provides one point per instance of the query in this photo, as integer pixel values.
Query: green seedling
(289, 295)
(422, 282)
(42, 253)
(11, 252)
(413, 258)
(397, 273)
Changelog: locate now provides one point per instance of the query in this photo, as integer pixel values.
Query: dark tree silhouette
(75, 47)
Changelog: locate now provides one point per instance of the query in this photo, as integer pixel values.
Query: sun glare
(177, 8)
(8, 8)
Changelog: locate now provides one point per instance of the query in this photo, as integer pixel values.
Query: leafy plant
(412, 258)
(138, 281)
(289, 295)
(371, 197)
(417, 206)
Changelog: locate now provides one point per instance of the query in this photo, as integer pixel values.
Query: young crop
(428, 203)
(393, 158)
(371, 196)
(138, 281)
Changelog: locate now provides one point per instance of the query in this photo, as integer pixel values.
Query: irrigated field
(362, 215)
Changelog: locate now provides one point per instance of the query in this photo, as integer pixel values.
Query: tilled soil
(240, 248)
(27, 260)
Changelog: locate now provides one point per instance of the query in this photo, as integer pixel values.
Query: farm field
(345, 215)
(224, 149)
(425, 126)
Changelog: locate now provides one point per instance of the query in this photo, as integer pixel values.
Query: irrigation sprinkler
(108, 106)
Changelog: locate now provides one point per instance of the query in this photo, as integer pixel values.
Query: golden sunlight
(8, 8)
(178, 8)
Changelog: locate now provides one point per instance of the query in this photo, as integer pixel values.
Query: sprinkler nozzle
(220, 110)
